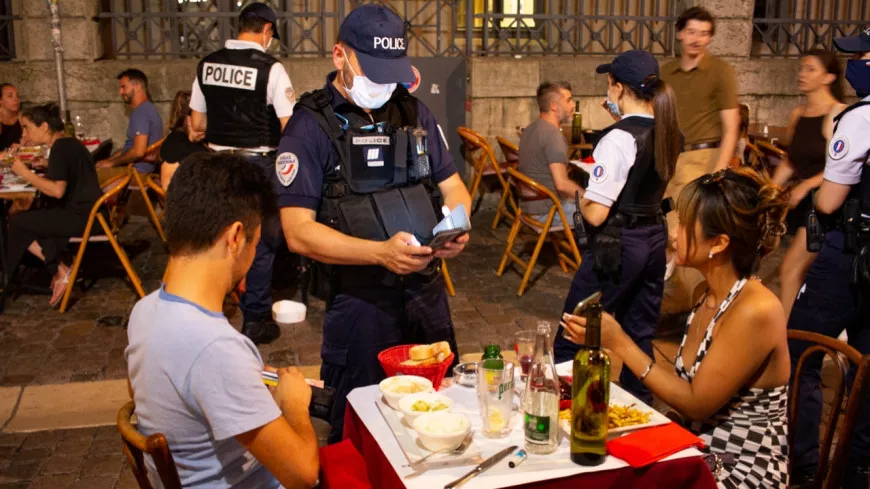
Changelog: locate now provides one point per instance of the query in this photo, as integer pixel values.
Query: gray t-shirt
(541, 144)
(144, 119)
(198, 381)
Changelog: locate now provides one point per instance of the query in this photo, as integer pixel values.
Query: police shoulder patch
(599, 174)
(286, 168)
(838, 148)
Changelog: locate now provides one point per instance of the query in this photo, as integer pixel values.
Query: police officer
(362, 172)
(622, 206)
(242, 98)
(830, 299)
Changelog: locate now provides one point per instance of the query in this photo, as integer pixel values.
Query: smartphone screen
(595, 297)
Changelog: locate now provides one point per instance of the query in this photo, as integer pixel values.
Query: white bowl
(395, 388)
(406, 403)
(441, 431)
(288, 312)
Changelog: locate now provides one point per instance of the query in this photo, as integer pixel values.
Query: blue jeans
(827, 304)
(256, 302)
(635, 300)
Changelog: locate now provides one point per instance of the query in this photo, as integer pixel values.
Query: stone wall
(501, 89)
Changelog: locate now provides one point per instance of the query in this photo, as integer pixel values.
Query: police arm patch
(286, 168)
(838, 148)
(599, 174)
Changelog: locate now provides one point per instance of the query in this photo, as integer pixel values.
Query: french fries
(618, 416)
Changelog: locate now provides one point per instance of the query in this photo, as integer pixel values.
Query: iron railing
(7, 36)
(191, 28)
(793, 27)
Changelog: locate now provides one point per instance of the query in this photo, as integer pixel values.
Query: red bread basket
(391, 360)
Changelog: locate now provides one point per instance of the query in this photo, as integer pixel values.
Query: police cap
(378, 36)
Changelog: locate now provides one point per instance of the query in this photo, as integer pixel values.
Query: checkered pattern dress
(751, 427)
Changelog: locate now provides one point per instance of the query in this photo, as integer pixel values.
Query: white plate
(410, 444)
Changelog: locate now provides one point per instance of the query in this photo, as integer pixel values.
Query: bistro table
(386, 463)
(8, 193)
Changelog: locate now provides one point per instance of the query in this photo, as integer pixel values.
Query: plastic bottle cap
(288, 312)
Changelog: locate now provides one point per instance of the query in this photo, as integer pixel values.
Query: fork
(466, 442)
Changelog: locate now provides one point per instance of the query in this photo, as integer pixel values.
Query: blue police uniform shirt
(849, 147)
(305, 153)
(614, 157)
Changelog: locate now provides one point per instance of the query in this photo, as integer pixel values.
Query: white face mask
(366, 93)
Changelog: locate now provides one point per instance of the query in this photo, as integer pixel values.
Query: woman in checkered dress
(735, 392)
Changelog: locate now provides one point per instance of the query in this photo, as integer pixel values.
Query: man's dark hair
(699, 14)
(208, 193)
(135, 75)
(549, 91)
(252, 23)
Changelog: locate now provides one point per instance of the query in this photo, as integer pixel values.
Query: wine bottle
(590, 394)
(541, 398)
(577, 125)
(68, 127)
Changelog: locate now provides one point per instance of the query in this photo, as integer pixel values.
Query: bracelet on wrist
(647, 371)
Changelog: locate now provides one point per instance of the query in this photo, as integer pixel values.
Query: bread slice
(442, 347)
(421, 352)
(419, 363)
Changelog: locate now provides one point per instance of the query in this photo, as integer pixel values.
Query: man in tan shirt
(706, 89)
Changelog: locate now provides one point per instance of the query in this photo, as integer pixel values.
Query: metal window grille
(193, 28)
(793, 27)
(7, 36)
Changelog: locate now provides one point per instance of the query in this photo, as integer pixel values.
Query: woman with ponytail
(733, 364)
(621, 207)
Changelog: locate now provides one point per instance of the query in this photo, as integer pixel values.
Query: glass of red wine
(524, 346)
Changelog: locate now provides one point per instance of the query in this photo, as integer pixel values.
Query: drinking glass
(495, 387)
(524, 346)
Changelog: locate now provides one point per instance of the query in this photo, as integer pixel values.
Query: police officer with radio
(836, 293)
(622, 206)
(242, 98)
(362, 174)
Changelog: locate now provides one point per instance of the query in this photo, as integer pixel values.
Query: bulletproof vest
(861, 191)
(234, 83)
(643, 191)
(377, 190)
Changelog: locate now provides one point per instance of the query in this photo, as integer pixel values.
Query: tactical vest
(375, 192)
(234, 83)
(644, 189)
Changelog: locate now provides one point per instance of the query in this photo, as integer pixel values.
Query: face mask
(366, 93)
(858, 75)
(612, 106)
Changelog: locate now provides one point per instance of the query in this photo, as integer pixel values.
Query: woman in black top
(810, 127)
(182, 140)
(70, 188)
(10, 128)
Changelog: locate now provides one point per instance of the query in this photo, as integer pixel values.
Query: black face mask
(858, 75)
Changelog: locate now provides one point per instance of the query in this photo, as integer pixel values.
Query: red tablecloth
(685, 473)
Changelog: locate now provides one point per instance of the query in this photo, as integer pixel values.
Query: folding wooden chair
(831, 468)
(111, 200)
(512, 156)
(447, 280)
(484, 164)
(139, 183)
(158, 190)
(560, 236)
(136, 445)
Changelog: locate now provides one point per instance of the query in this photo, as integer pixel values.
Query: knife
(486, 464)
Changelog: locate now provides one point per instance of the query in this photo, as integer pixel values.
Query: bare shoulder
(758, 309)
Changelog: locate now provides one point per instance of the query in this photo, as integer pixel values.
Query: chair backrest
(115, 196)
(474, 142)
(152, 152)
(831, 468)
(525, 186)
(510, 150)
(136, 445)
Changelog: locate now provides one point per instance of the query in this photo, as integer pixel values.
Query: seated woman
(182, 140)
(733, 364)
(69, 191)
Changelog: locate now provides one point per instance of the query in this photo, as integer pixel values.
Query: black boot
(261, 331)
(857, 475)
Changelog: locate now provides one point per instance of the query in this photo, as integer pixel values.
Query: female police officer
(633, 162)
(830, 300)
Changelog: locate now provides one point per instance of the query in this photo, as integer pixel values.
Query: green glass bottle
(590, 394)
(577, 125)
(492, 357)
(68, 128)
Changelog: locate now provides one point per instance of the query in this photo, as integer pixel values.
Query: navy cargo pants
(634, 300)
(827, 304)
(360, 322)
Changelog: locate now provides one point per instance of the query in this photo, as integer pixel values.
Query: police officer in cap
(362, 174)
(242, 98)
(836, 293)
(622, 206)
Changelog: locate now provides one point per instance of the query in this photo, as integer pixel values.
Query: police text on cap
(389, 43)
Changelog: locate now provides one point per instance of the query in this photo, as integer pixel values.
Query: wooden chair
(831, 468)
(484, 164)
(561, 236)
(512, 156)
(448, 282)
(152, 153)
(154, 186)
(136, 445)
(112, 201)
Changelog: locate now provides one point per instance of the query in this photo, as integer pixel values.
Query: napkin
(343, 467)
(648, 446)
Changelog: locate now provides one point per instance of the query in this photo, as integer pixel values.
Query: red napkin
(343, 467)
(645, 447)
(588, 159)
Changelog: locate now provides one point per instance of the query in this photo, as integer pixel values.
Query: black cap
(854, 44)
(378, 36)
(264, 12)
(631, 67)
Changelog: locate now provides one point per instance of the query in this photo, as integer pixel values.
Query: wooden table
(776, 135)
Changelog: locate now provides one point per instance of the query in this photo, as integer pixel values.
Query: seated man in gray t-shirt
(544, 152)
(193, 377)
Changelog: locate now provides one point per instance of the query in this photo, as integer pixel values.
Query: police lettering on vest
(229, 76)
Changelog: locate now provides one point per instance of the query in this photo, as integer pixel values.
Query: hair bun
(772, 208)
